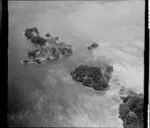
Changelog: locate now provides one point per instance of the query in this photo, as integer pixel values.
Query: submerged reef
(131, 111)
(93, 45)
(47, 48)
(95, 77)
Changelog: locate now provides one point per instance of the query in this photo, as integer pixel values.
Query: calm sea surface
(46, 95)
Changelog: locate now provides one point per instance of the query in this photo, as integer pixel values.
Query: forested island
(94, 77)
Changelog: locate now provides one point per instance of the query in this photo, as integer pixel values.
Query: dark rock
(38, 41)
(32, 34)
(47, 35)
(54, 52)
(93, 45)
(39, 61)
(124, 99)
(123, 109)
(32, 54)
(131, 111)
(57, 38)
(92, 76)
(26, 61)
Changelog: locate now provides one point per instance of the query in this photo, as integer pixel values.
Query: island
(131, 111)
(93, 45)
(47, 48)
(94, 77)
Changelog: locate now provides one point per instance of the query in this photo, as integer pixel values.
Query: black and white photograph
(76, 63)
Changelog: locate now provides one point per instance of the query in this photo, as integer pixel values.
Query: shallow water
(46, 95)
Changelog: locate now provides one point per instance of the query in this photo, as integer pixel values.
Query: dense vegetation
(131, 111)
(91, 76)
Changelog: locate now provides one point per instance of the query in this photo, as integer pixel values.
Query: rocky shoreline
(47, 48)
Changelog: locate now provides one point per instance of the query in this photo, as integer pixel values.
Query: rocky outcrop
(47, 48)
(94, 77)
(32, 34)
(131, 111)
(93, 45)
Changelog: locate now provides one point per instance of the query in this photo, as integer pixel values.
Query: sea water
(46, 95)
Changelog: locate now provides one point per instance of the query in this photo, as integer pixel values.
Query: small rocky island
(94, 77)
(131, 111)
(47, 48)
(93, 45)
